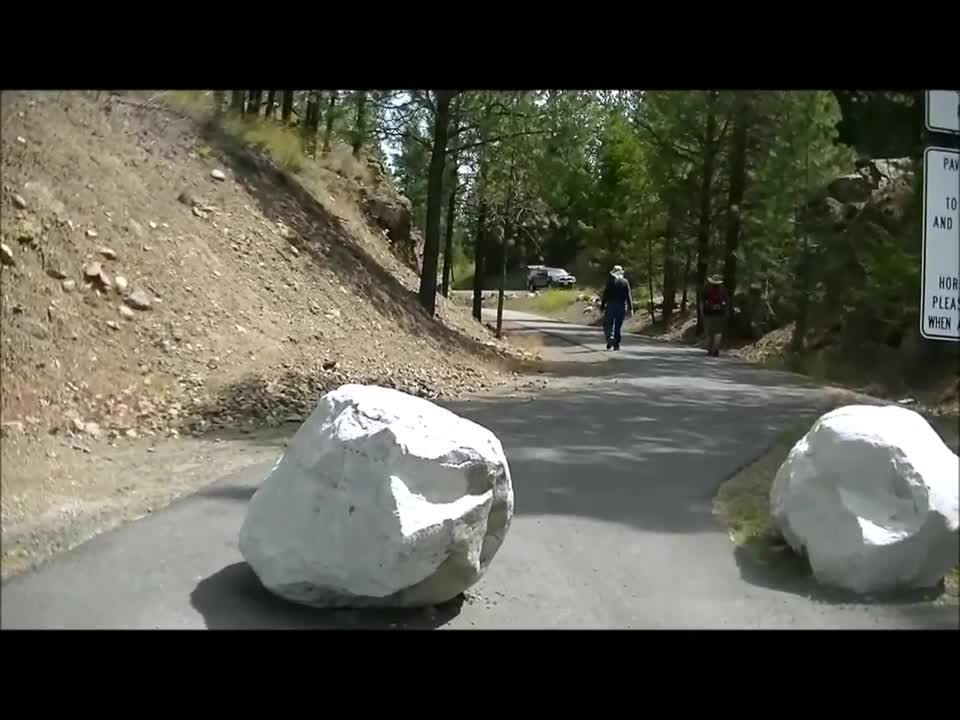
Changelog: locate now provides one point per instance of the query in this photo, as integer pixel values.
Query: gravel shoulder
(83, 487)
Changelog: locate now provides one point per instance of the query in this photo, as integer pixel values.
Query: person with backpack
(714, 308)
(616, 303)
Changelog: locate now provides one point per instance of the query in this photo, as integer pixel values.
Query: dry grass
(282, 144)
(743, 501)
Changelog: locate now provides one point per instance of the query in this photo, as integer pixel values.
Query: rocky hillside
(159, 278)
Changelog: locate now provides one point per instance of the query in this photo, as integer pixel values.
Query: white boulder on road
(871, 494)
(381, 499)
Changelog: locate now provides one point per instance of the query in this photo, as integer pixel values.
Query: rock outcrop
(393, 214)
(870, 494)
(381, 499)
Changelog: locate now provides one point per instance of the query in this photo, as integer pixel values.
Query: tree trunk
(311, 122)
(653, 300)
(669, 264)
(686, 280)
(360, 131)
(703, 233)
(451, 219)
(236, 100)
(286, 108)
(479, 252)
(253, 102)
(271, 101)
(431, 243)
(738, 184)
(218, 98)
(507, 232)
(797, 342)
(328, 129)
(451, 210)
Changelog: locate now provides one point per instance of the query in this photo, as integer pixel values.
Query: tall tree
(703, 234)
(449, 227)
(271, 104)
(737, 185)
(328, 129)
(453, 186)
(431, 244)
(286, 108)
(311, 122)
(253, 102)
(360, 123)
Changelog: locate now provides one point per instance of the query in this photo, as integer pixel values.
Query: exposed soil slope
(159, 279)
(108, 208)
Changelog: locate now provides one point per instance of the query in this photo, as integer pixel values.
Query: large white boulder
(381, 499)
(871, 494)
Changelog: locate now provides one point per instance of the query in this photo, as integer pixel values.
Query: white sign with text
(940, 303)
(943, 111)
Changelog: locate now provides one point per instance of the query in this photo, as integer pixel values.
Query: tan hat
(715, 280)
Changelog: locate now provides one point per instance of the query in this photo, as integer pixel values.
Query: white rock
(6, 255)
(138, 299)
(381, 499)
(871, 494)
(218, 175)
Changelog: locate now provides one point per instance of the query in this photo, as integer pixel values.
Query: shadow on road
(648, 456)
(792, 574)
(234, 599)
(647, 358)
(240, 493)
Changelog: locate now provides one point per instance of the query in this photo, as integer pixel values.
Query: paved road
(614, 471)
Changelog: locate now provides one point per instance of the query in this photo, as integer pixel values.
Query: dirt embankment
(159, 280)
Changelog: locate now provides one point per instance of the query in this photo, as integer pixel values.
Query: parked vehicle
(541, 276)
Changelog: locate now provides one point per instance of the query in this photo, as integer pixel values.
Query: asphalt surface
(614, 469)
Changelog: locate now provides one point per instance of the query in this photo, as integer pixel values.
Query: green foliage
(554, 300)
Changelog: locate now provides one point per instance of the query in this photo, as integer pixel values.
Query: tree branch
(395, 134)
(424, 100)
(678, 149)
(501, 138)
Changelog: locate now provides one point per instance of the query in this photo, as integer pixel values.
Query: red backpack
(715, 303)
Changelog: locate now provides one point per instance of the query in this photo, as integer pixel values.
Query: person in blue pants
(616, 303)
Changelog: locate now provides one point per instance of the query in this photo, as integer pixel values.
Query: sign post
(940, 275)
(940, 309)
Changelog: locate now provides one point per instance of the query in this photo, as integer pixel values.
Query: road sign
(940, 301)
(943, 111)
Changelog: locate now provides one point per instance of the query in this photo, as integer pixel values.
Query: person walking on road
(714, 308)
(616, 303)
